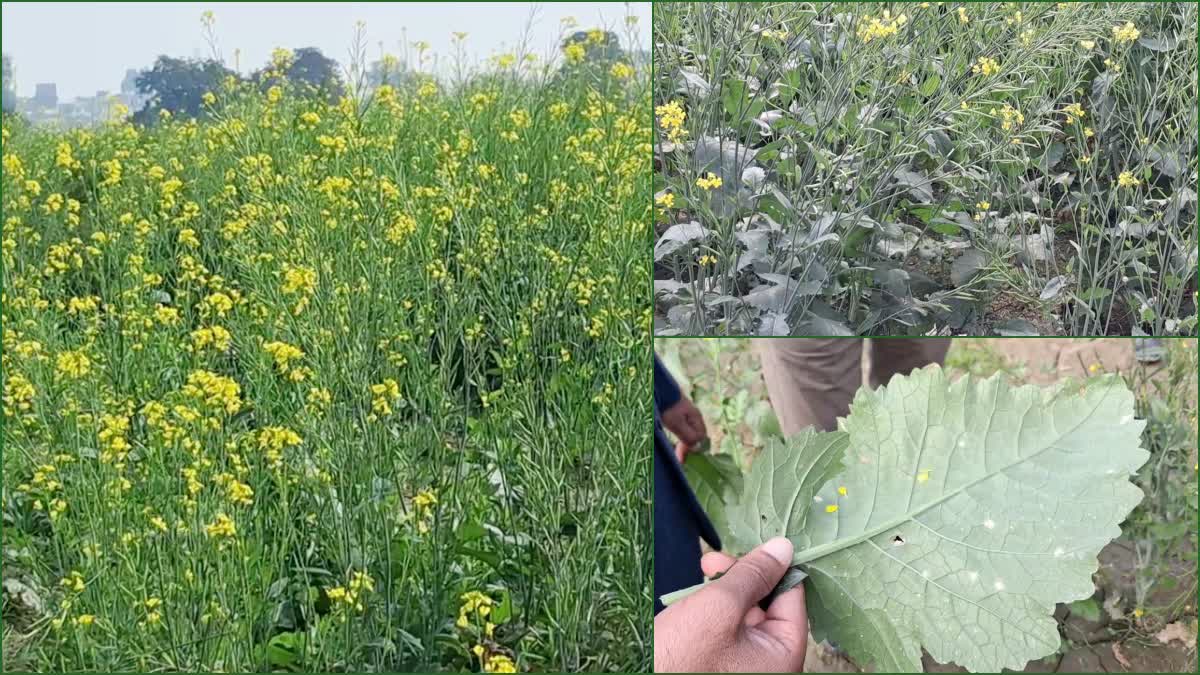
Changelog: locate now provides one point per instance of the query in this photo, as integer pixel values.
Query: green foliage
(1164, 526)
(307, 68)
(927, 173)
(178, 87)
(716, 480)
(421, 425)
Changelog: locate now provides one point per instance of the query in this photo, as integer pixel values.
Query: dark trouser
(811, 381)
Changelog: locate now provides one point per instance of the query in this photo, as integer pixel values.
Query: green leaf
(715, 480)
(284, 650)
(503, 611)
(487, 557)
(930, 84)
(947, 228)
(780, 488)
(970, 509)
(468, 532)
(1094, 293)
(1087, 608)
(733, 97)
(1050, 157)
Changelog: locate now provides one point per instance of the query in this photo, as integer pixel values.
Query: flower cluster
(1126, 34)
(986, 66)
(384, 395)
(351, 595)
(709, 181)
(876, 28)
(671, 117)
(285, 356)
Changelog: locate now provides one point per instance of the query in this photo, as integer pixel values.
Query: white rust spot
(924, 574)
(1058, 552)
(998, 584)
(1126, 419)
(973, 576)
(989, 524)
(818, 499)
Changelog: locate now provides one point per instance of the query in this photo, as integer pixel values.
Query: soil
(1048, 360)
(1009, 307)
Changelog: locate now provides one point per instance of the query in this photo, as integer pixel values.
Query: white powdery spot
(989, 524)
(924, 574)
(973, 576)
(818, 498)
(1111, 471)
(1058, 552)
(998, 584)
(1126, 420)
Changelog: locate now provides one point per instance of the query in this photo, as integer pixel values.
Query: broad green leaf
(503, 611)
(965, 512)
(734, 98)
(285, 649)
(1087, 608)
(715, 479)
(1095, 293)
(930, 84)
(781, 486)
(947, 228)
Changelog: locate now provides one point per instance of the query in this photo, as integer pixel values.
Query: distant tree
(178, 85)
(10, 89)
(390, 70)
(308, 67)
(597, 45)
(592, 55)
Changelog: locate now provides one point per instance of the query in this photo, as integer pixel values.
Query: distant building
(129, 95)
(129, 83)
(45, 95)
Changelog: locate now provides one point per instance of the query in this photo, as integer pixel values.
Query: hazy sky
(85, 47)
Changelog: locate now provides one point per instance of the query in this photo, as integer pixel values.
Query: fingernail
(780, 548)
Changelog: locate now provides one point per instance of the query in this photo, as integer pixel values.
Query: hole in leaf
(897, 540)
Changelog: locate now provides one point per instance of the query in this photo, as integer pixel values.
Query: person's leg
(900, 356)
(810, 381)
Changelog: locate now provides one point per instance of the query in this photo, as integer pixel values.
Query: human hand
(687, 423)
(721, 628)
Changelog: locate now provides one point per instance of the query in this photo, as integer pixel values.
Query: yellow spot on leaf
(923, 476)
(842, 490)
(831, 508)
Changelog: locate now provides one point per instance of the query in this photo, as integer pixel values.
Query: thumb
(753, 576)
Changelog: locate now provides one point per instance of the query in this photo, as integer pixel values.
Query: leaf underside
(965, 511)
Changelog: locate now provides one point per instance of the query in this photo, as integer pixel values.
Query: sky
(85, 47)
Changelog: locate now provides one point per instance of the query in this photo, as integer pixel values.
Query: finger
(754, 617)
(756, 573)
(790, 607)
(698, 422)
(689, 432)
(715, 563)
(670, 420)
(681, 449)
(786, 623)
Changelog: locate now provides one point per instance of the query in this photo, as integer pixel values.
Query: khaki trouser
(811, 381)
